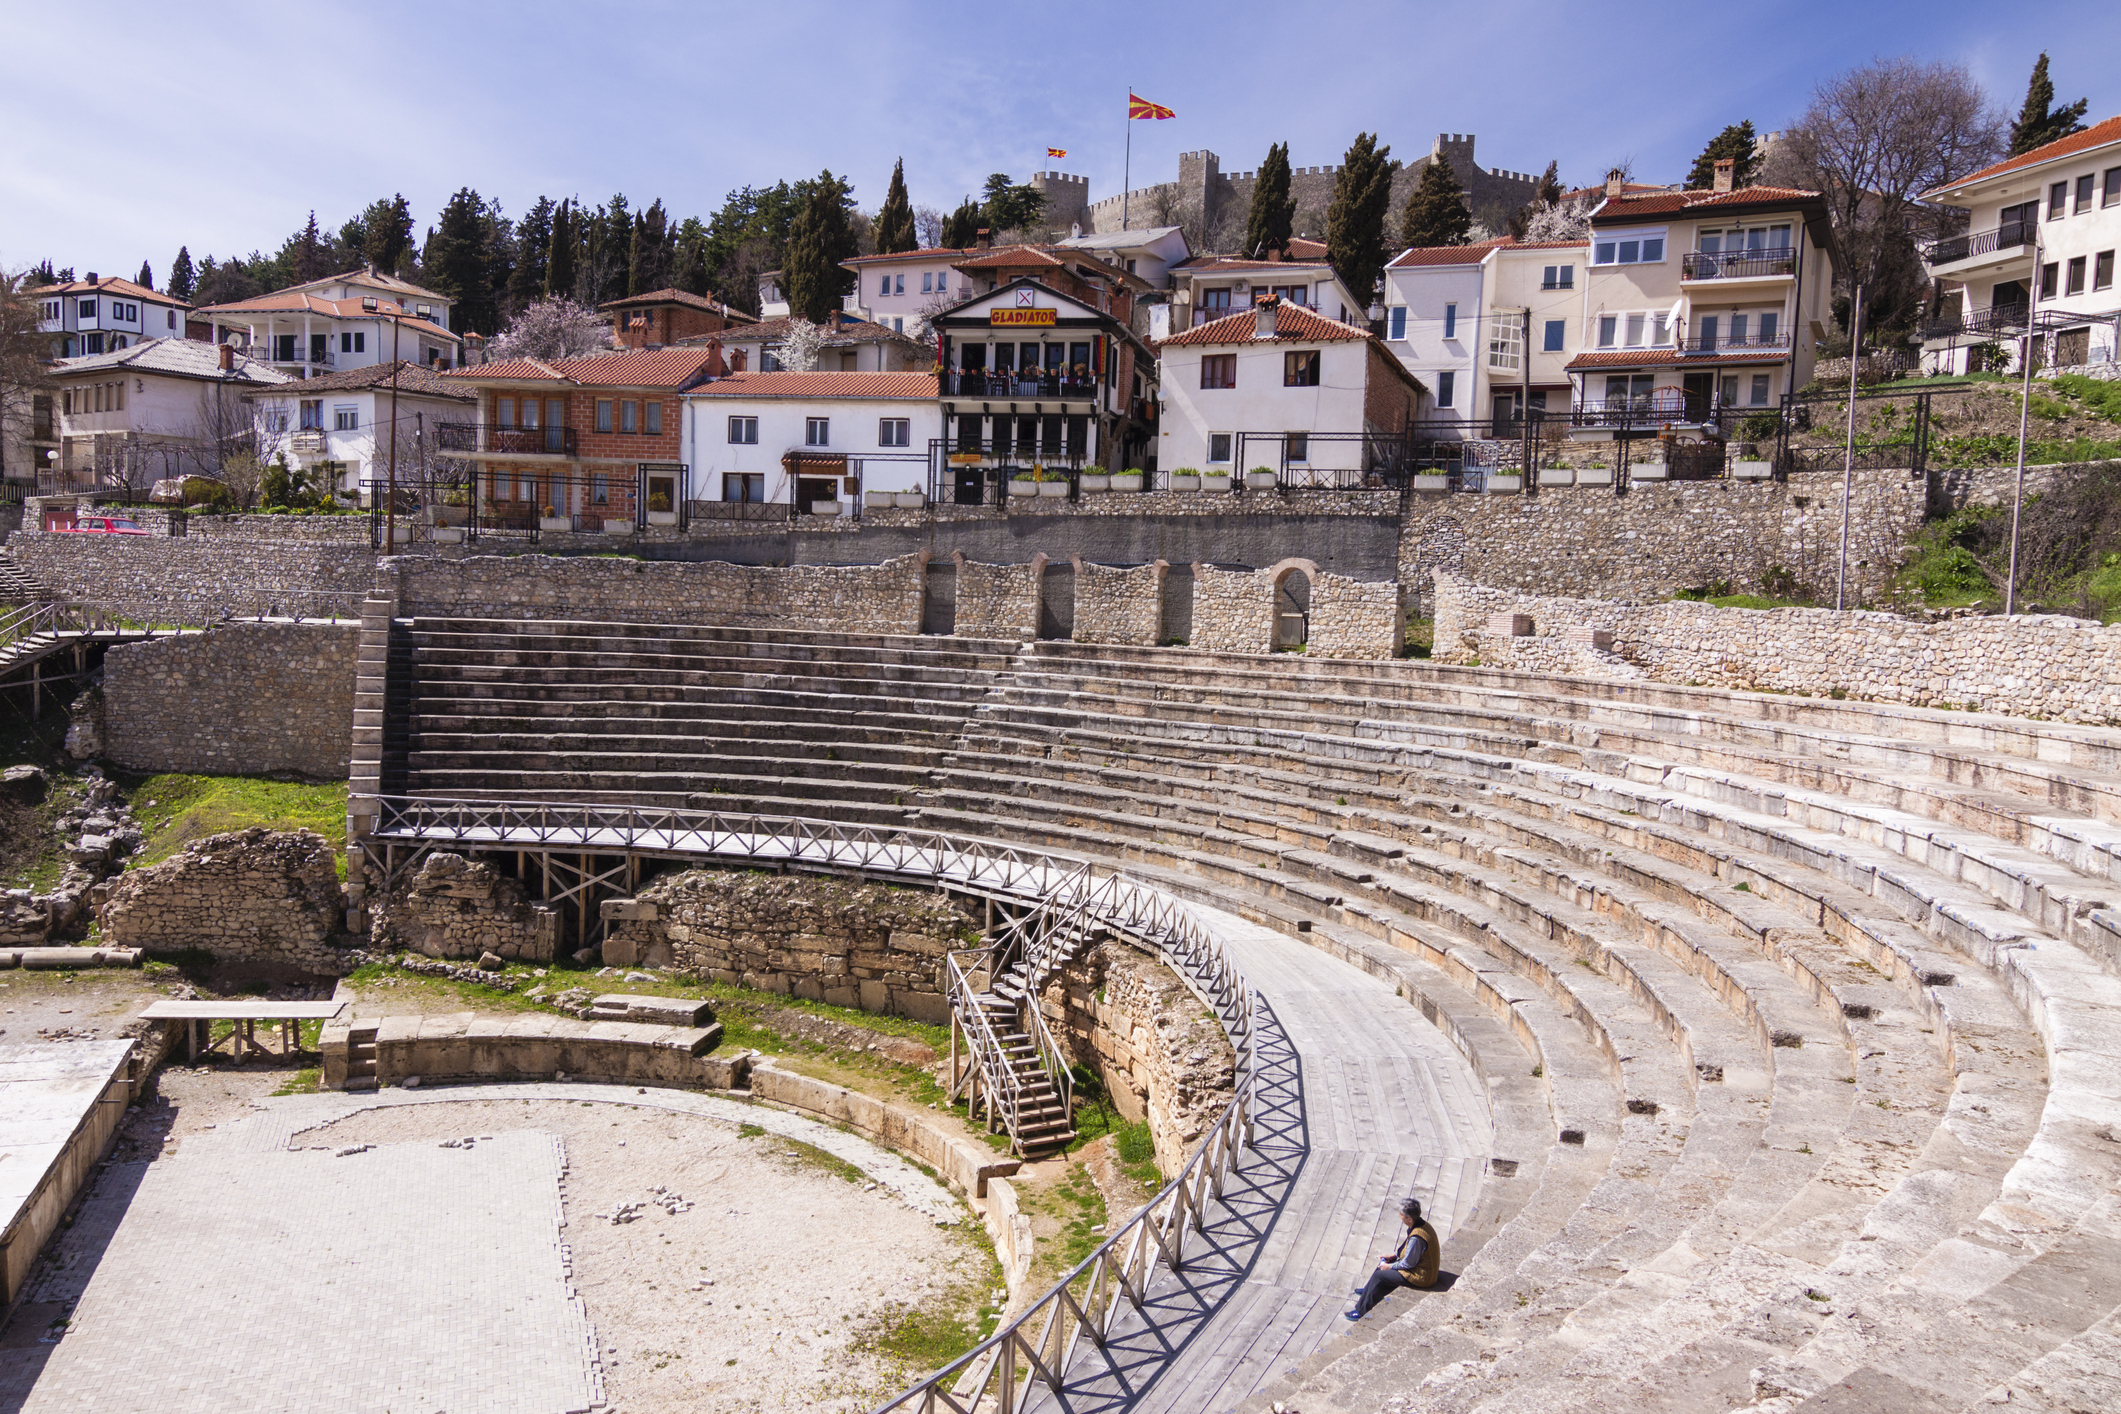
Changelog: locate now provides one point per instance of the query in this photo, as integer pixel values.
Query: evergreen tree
(1548, 192)
(962, 226)
(456, 262)
(146, 278)
(1355, 222)
(39, 274)
(689, 270)
(180, 274)
(894, 223)
(610, 234)
(307, 255)
(648, 266)
(818, 240)
(1436, 212)
(533, 247)
(1273, 209)
(1736, 142)
(1012, 206)
(559, 255)
(2039, 122)
(499, 243)
(386, 233)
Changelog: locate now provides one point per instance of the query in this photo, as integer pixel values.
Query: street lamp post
(371, 305)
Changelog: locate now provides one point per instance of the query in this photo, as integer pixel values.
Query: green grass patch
(1135, 1148)
(930, 1336)
(302, 1082)
(809, 1156)
(2099, 397)
(175, 809)
(2001, 449)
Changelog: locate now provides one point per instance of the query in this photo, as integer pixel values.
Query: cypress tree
(458, 258)
(181, 275)
(1355, 222)
(559, 257)
(1736, 142)
(146, 280)
(2039, 122)
(1273, 211)
(818, 240)
(533, 247)
(894, 223)
(1436, 211)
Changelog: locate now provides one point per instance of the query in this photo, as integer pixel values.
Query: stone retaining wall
(2032, 665)
(242, 699)
(453, 907)
(1118, 605)
(195, 579)
(996, 601)
(854, 945)
(258, 897)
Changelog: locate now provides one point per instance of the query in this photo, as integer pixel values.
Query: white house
(343, 321)
(1211, 287)
(1286, 389)
(1150, 254)
(98, 315)
(2057, 207)
(850, 345)
(1488, 328)
(810, 438)
(900, 291)
(341, 424)
(129, 417)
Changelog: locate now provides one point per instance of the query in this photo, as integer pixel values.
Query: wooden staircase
(1033, 1074)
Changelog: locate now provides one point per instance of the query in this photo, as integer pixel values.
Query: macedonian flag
(1056, 152)
(1139, 107)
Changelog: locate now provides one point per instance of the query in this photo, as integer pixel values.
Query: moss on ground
(176, 808)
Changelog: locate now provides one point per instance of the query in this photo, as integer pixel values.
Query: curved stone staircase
(1802, 1016)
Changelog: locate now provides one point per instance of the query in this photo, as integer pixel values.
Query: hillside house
(343, 321)
(338, 427)
(126, 418)
(104, 314)
(814, 442)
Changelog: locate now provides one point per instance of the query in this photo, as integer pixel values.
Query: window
(894, 432)
(1218, 446)
(1218, 371)
(1760, 387)
(1296, 446)
(744, 431)
(2084, 193)
(883, 285)
(1730, 390)
(1450, 321)
(2076, 277)
(1559, 277)
(2103, 270)
(353, 343)
(652, 419)
(768, 362)
(2111, 195)
(1556, 334)
(1770, 320)
(276, 421)
(92, 343)
(1300, 370)
(744, 486)
(2057, 200)
(817, 431)
(1635, 250)
(1738, 323)
(1635, 326)
(1399, 321)
(312, 414)
(600, 489)
(1708, 327)
(345, 419)
(1446, 385)
(2047, 280)
(603, 414)
(629, 416)
(504, 412)
(172, 317)
(88, 309)
(51, 309)
(926, 277)
(1608, 330)
(899, 285)
(1505, 342)
(1661, 330)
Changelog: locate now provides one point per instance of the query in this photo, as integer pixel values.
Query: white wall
(869, 301)
(1260, 403)
(1425, 291)
(782, 426)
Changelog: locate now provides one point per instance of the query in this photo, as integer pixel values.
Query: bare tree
(23, 375)
(1873, 140)
(554, 327)
(927, 226)
(225, 444)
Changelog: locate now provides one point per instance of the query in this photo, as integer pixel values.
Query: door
(939, 598)
(811, 489)
(1699, 391)
(1056, 600)
(555, 424)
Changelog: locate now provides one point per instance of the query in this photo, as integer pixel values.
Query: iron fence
(1738, 264)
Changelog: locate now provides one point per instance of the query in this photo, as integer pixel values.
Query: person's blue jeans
(1383, 1282)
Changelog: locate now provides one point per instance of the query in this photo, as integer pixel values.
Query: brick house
(588, 440)
(663, 317)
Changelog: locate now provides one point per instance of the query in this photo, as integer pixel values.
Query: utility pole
(1848, 466)
(1524, 411)
(371, 305)
(2025, 408)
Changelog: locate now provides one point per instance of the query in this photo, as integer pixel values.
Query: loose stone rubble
(256, 896)
(453, 907)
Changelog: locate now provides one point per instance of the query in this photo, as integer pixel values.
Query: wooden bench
(199, 1017)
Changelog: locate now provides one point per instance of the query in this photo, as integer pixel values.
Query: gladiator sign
(1021, 316)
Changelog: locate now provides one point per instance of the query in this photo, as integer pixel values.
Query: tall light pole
(2025, 409)
(371, 305)
(1848, 466)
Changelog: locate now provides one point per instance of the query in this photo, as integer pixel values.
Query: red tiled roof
(633, 368)
(820, 385)
(931, 252)
(1303, 248)
(1658, 358)
(674, 296)
(843, 330)
(1010, 255)
(2097, 135)
(1445, 254)
(109, 284)
(1238, 262)
(1293, 323)
(413, 378)
(295, 302)
(1678, 202)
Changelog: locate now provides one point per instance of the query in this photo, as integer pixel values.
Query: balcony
(1999, 321)
(312, 358)
(1768, 264)
(309, 439)
(972, 383)
(1725, 344)
(461, 437)
(2005, 244)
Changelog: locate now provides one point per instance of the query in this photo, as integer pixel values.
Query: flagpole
(1126, 179)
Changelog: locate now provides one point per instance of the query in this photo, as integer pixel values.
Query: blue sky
(133, 128)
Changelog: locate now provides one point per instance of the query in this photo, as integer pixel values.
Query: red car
(103, 525)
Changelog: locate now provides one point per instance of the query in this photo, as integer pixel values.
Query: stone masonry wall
(244, 699)
(266, 898)
(455, 907)
(857, 945)
(2032, 665)
(996, 601)
(1230, 614)
(1118, 605)
(194, 580)
(1161, 1054)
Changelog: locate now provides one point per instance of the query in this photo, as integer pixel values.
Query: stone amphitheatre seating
(1821, 997)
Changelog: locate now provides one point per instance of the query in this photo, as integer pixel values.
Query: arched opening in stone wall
(1174, 621)
(1056, 600)
(1292, 610)
(939, 598)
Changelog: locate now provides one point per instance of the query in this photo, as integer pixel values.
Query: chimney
(1725, 166)
(92, 277)
(228, 358)
(715, 367)
(984, 240)
(1615, 182)
(1267, 312)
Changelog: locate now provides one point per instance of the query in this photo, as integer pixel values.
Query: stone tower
(1067, 199)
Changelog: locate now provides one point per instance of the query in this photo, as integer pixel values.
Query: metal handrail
(1946, 249)
(1738, 264)
(1085, 1304)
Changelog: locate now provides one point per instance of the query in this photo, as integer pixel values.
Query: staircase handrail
(1000, 1084)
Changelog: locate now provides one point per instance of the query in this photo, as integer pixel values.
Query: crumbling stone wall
(194, 579)
(1161, 1054)
(257, 896)
(1118, 605)
(857, 945)
(996, 601)
(245, 699)
(454, 907)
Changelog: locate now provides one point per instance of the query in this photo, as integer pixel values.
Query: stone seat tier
(841, 647)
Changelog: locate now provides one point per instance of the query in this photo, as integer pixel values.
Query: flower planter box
(662, 517)
(1649, 471)
(1557, 476)
(451, 515)
(1215, 483)
(1259, 480)
(1594, 476)
(1095, 481)
(446, 535)
(1053, 490)
(1505, 482)
(1752, 471)
(1184, 483)
(827, 508)
(1124, 481)
(1026, 489)
(909, 500)
(1432, 481)
(618, 527)
(878, 500)
(555, 522)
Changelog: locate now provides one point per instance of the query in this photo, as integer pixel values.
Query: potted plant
(551, 519)
(1596, 474)
(659, 511)
(1260, 478)
(1505, 481)
(1051, 486)
(1215, 481)
(1129, 480)
(909, 500)
(1556, 475)
(1432, 481)
(878, 500)
(1186, 478)
(1023, 483)
(1094, 481)
(827, 508)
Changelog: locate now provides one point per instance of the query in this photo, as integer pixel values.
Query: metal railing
(1084, 1306)
(1965, 247)
(775, 512)
(974, 383)
(1725, 343)
(1737, 264)
(555, 441)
